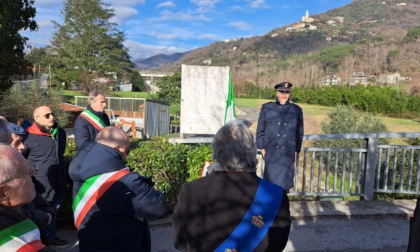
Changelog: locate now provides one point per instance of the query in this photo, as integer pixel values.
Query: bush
(196, 158)
(65, 215)
(165, 163)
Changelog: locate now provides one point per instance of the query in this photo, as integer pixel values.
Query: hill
(157, 60)
(363, 36)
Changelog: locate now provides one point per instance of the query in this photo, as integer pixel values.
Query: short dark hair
(234, 147)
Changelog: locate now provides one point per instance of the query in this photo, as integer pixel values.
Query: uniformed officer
(279, 136)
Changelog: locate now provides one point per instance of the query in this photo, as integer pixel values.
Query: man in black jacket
(17, 232)
(279, 136)
(92, 120)
(45, 144)
(111, 203)
(38, 210)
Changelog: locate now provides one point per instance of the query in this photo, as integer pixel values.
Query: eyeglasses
(33, 170)
(283, 92)
(48, 115)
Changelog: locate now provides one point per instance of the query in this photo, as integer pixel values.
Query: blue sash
(257, 220)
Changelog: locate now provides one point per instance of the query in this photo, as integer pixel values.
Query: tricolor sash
(24, 236)
(91, 190)
(257, 220)
(93, 119)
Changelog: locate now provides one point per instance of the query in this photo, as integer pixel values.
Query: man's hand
(263, 152)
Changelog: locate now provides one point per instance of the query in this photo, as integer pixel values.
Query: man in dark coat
(38, 210)
(210, 209)
(45, 144)
(279, 136)
(92, 120)
(17, 232)
(116, 220)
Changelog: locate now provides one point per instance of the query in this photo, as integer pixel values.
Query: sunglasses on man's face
(283, 92)
(48, 115)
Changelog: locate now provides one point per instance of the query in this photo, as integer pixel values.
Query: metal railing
(358, 171)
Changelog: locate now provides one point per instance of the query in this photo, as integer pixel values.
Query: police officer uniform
(280, 133)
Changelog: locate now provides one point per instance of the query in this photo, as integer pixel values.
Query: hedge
(169, 166)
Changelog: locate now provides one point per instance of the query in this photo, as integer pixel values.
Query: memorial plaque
(204, 92)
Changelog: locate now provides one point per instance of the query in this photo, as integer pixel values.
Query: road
(385, 234)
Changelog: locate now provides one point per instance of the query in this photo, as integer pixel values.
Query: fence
(358, 171)
(151, 117)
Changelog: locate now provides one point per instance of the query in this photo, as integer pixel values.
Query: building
(149, 79)
(358, 78)
(307, 18)
(331, 80)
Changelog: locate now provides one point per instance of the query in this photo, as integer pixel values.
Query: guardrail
(358, 171)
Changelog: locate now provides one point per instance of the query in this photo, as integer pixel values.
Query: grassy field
(315, 114)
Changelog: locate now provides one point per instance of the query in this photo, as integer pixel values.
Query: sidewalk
(304, 210)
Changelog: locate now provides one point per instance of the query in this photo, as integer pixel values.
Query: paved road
(387, 234)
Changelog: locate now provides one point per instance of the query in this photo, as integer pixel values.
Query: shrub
(196, 158)
(165, 163)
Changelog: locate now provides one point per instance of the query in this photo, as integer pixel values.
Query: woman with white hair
(232, 209)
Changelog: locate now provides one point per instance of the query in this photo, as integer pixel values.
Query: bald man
(45, 144)
(111, 203)
(17, 232)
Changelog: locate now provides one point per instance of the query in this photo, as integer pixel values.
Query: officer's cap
(283, 86)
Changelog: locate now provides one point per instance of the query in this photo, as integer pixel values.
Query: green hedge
(385, 100)
(169, 166)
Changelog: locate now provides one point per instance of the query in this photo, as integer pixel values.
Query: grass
(314, 115)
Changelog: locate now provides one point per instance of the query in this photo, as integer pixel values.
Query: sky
(153, 27)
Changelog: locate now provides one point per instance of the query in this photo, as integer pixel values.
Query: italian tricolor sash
(21, 237)
(91, 191)
(93, 119)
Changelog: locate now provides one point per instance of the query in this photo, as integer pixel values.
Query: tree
(15, 16)
(170, 88)
(345, 119)
(89, 46)
(16, 105)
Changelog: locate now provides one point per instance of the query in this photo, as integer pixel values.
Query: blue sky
(159, 26)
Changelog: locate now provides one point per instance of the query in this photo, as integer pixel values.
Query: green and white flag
(230, 108)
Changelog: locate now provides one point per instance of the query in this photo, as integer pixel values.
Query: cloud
(139, 50)
(240, 25)
(125, 2)
(176, 33)
(185, 16)
(205, 3)
(123, 13)
(48, 2)
(167, 4)
(208, 36)
(258, 4)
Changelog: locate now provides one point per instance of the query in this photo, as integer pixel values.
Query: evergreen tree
(15, 16)
(89, 46)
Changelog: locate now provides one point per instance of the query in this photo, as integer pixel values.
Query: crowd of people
(230, 209)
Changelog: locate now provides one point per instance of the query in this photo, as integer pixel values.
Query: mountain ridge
(363, 36)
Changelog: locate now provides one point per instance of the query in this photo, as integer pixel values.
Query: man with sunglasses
(92, 120)
(279, 136)
(112, 204)
(45, 144)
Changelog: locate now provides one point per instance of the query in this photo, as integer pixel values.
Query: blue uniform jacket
(118, 220)
(280, 133)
